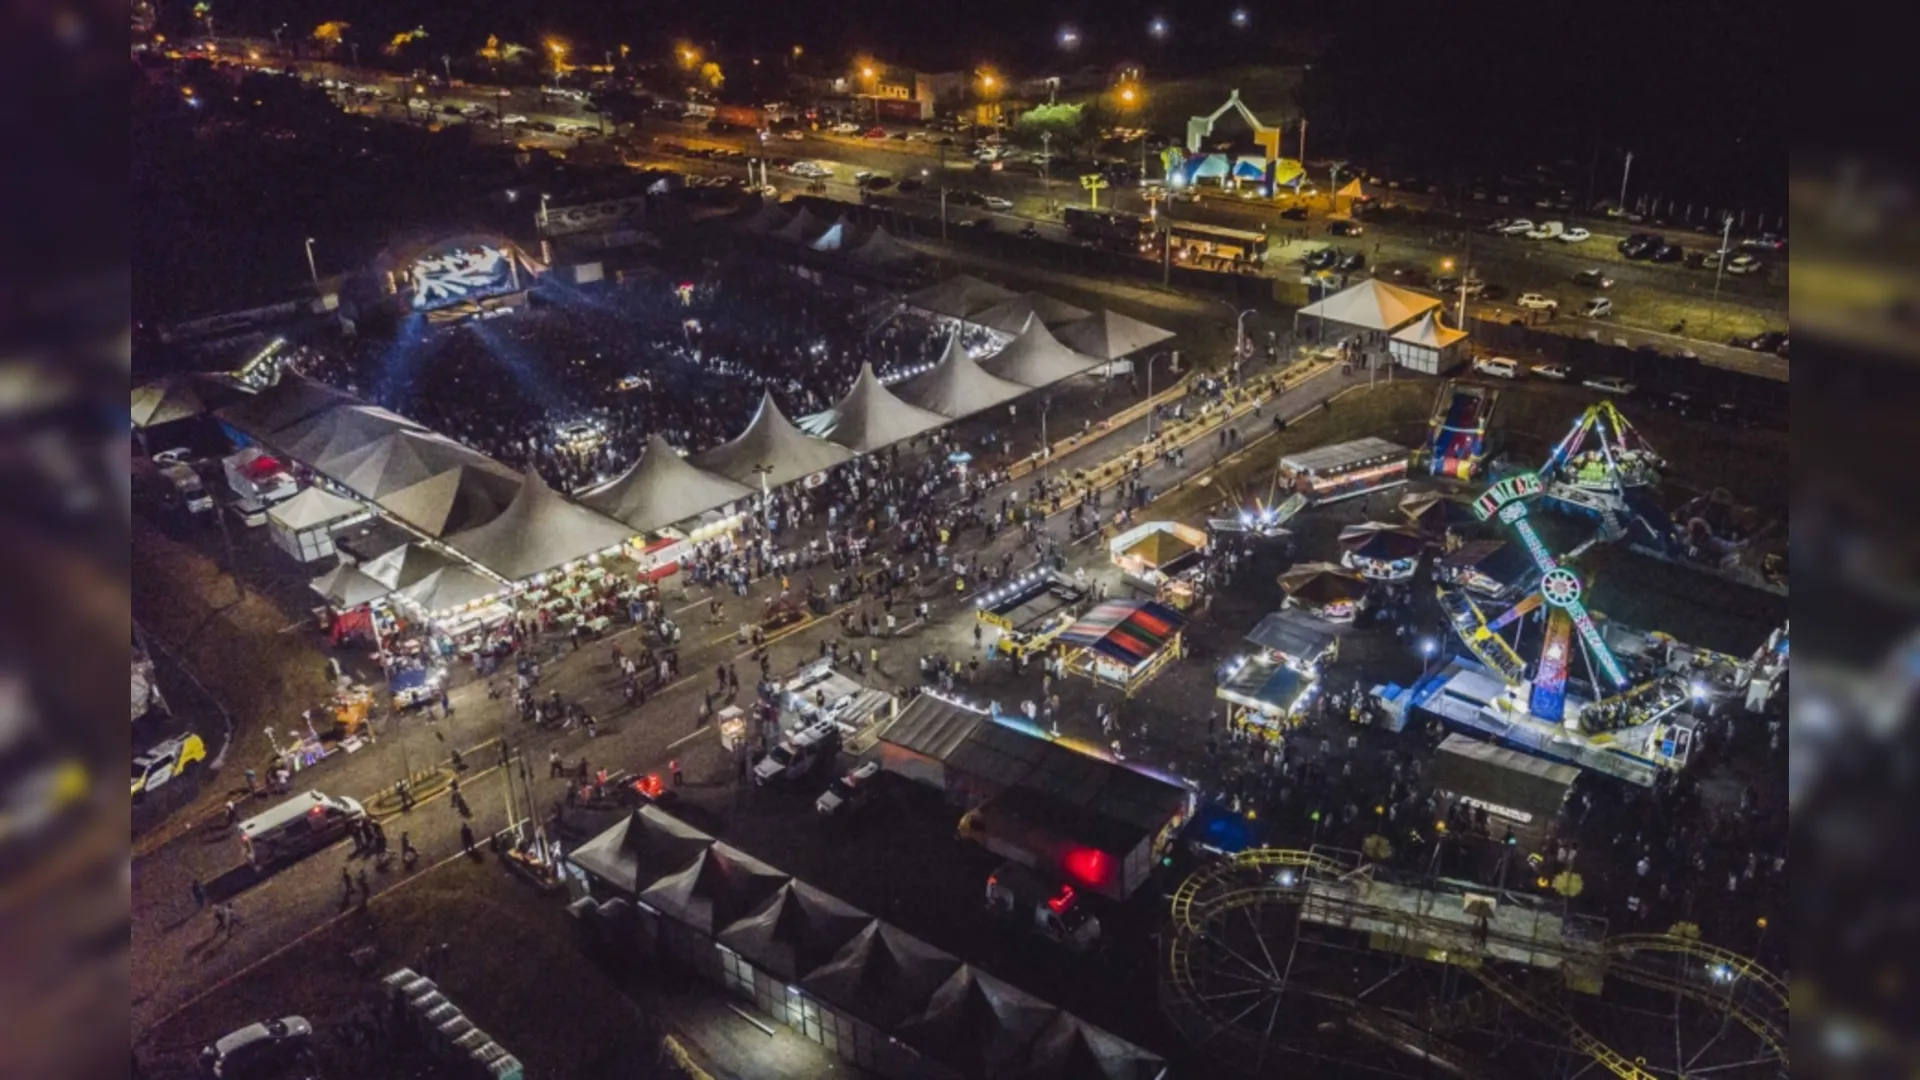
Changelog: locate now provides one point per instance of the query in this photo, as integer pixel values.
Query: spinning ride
(1604, 468)
(1625, 731)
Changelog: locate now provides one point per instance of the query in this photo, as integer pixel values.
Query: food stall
(1331, 592)
(1343, 470)
(1381, 552)
(1166, 556)
(1124, 643)
(260, 480)
(1265, 696)
(1028, 612)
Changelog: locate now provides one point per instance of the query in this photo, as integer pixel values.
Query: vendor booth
(820, 692)
(1522, 791)
(1343, 470)
(1265, 697)
(1029, 612)
(303, 525)
(1293, 637)
(1331, 592)
(1428, 346)
(1124, 643)
(1436, 514)
(259, 479)
(1495, 569)
(1381, 552)
(1166, 556)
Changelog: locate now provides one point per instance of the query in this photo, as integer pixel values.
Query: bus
(1112, 230)
(1194, 242)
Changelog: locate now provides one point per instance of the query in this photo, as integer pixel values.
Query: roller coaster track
(1748, 993)
(1470, 624)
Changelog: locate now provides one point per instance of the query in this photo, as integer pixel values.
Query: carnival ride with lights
(1276, 955)
(1457, 440)
(1202, 160)
(1627, 729)
(1603, 468)
(1030, 611)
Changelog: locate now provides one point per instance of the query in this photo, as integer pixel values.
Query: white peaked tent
(1109, 335)
(461, 498)
(870, 417)
(1373, 305)
(329, 434)
(1010, 316)
(346, 587)
(405, 565)
(449, 589)
(292, 399)
(802, 226)
(1036, 358)
(881, 249)
(956, 386)
(769, 217)
(400, 460)
(303, 525)
(771, 440)
(836, 236)
(660, 489)
(1428, 345)
(959, 297)
(170, 398)
(539, 532)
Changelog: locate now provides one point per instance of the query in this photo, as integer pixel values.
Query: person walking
(554, 768)
(346, 886)
(232, 920)
(199, 893)
(466, 838)
(674, 768)
(366, 889)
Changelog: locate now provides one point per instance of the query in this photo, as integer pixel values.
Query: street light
(312, 270)
(1157, 28)
(1069, 37)
(1240, 338)
(1427, 648)
(1239, 18)
(1152, 413)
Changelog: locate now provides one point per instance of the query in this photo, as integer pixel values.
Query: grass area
(230, 638)
(505, 941)
(1267, 91)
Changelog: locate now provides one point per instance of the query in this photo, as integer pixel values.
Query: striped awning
(1129, 632)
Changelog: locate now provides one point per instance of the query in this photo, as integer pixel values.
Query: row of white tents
(515, 526)
(880, 997)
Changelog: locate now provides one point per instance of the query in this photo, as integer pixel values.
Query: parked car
(1667, 253)
(1575, 235)
(1546, 230)
(1556, 372)
(1533, 301)
(1499, 367)
(995, 202)
(1294, 213)
(1517, 227)
(849, 792)
(261, 1049)
(1353, 262)
(1322, 259)
(876, 133)
(1610, 384)
(1765, 242)
(794, 135)
(1499, 225)
(1639, 245)
(1344, 227)
(1743, 264)
(1597, 308)
(1593, 279)
(165, 761)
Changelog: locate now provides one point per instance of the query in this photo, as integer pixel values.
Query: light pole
(1152, 413)
(544, 196)
(313, 271)
(1427, 648)
(1046, 170)
(1240, 338)
(1719, 268)
(1046, 448)
(1625, 170)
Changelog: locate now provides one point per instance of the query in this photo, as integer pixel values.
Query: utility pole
(1624, 171)
(312, 270)
(1466, 271)
(943, 192)
(1719, 268)
(1046, 170)
(1166, 255)
(1303, 143)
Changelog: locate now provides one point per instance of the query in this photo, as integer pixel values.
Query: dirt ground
(500, 937)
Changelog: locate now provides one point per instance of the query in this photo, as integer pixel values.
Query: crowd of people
(574, 386)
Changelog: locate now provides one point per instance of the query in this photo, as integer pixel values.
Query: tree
(711, 76)
(1377, 847)
(329, 35)
(405, 38)
(1066, 123)
(1568, 884)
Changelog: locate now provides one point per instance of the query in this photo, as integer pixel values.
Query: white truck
(1051, 909)
(798, 753)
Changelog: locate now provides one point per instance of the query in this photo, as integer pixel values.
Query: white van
(300, 826)
(1497, 366)
(798, 753)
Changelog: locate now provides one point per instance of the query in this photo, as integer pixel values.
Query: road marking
(675, 744)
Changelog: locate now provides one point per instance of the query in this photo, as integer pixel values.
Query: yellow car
(166, 761)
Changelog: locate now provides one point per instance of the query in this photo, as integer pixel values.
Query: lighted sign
(1537, 548)
(1518, 486)
(1597, 647)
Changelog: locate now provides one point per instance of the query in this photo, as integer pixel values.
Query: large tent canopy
(405, 565)
(768, 218)
(1128, 632)
(643, 847)
(176, 397)
(1109, 335)
(722, 886)
(400, 460)
(883, 974)
(328, 434)
(1036, 358)
(346, 587)
(660, 489)
(957, 386)
(803, 226)
(959, 297)
(1373, 305)
(1011, 316)
(461, 498)
(881, 249)
(774, 442)
(292, 399)
(978, 1022)
(834, 238)
(795, 931)
(870, 417)
(540, 531)
(449, 588)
